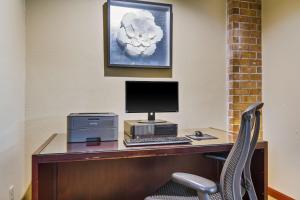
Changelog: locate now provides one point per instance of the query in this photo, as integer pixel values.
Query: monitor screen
(146, 96)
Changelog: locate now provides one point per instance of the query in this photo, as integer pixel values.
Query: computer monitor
(151, 97)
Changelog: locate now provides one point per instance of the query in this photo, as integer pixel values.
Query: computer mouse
(199, 133)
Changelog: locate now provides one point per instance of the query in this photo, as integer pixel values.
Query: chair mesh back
(237, 158)
(248, 184)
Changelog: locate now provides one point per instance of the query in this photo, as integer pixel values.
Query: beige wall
(281, 92)
(65, 65)
(12, 101)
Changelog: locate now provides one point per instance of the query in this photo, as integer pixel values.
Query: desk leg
(35, 178)
(259, 171)
(44, 181)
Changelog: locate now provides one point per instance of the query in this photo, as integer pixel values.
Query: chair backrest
(239, 158)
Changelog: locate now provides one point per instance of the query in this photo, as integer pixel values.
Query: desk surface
(114, 170)
(57, 144)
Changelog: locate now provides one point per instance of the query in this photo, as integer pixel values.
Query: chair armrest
(217, 156)
(198, 183)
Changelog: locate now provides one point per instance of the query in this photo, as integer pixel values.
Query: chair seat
(175, 191)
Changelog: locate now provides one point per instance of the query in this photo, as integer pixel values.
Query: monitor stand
(151, 119)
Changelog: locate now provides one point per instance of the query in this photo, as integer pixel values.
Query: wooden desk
(62, 171)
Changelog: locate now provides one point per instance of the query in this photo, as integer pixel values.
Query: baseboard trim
(278, 195)
(27, 195)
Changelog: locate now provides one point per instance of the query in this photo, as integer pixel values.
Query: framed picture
(139, 34)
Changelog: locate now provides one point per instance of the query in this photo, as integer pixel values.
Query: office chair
(235, 178)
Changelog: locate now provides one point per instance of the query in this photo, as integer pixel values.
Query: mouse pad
(204, 137)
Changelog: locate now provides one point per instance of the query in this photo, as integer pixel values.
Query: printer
(84, 127)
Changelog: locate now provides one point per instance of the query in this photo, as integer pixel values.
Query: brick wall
(244, 57)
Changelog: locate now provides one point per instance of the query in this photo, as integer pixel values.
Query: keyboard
(156, 141)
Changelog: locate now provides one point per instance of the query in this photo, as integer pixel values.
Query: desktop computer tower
(139, 129)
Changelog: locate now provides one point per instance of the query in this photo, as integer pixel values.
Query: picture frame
(139, 34)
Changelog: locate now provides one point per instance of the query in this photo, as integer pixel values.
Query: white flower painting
(139, 34)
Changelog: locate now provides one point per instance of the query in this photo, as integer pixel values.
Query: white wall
(281, 93)
(12, 100)
(65, 67)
